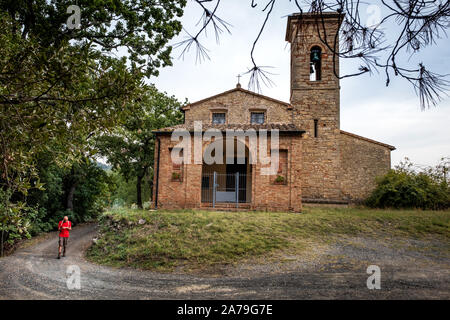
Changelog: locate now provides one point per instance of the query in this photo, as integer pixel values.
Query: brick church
(318, 162)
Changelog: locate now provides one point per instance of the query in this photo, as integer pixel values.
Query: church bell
(315, 55)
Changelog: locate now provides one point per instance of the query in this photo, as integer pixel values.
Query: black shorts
(64, 241)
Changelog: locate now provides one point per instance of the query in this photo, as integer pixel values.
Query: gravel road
(338, 272)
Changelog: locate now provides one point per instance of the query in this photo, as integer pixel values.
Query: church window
(177, 168)
(283, 162)
(218, 118)
(257, 117)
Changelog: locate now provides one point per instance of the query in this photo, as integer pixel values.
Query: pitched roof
(237, 89)
(282, 127)
(368, 140)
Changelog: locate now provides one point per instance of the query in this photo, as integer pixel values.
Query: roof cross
(239, 81)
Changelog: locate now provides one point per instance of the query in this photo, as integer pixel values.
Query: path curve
(35, 273)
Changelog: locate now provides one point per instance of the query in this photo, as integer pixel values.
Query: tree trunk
(69, 197)
(139, 191)
(70, 186)
(151, 189)
(3, 231)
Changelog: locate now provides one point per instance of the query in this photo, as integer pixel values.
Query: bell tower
(315, 100)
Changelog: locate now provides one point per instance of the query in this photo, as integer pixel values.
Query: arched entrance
(228, 182)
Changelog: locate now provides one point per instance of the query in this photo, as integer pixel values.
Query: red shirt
(64, 233)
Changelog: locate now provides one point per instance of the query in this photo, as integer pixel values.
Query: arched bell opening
(315, 64)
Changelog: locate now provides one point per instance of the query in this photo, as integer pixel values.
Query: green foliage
(51, 101)
(130, 148)
(142, 27)
(59, 87)
(124, 193)
(404, 187)
(14, 219)
(176, 175)
(94, 188)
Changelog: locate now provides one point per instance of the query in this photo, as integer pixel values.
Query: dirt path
(339, 272)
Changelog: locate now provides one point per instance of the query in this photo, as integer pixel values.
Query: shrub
(176, 175)
(405, 187)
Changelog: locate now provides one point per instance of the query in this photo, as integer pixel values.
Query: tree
(60, 86)
(130, 148)
(421, 23)
(52, 101)
(142, 27)
(93, 189)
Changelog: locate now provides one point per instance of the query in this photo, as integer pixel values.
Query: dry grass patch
(201, 240)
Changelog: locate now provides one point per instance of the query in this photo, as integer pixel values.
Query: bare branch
(421, 23)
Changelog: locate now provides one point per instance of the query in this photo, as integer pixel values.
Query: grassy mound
(164, 240)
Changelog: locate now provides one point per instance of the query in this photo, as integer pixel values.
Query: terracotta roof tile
(282, 127)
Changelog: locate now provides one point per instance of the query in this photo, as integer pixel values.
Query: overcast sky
(388, 114)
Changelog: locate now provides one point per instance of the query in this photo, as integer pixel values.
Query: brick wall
(265, 194)
(280, 197)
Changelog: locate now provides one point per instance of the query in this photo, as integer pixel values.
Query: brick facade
(185, 192)
(322, 163)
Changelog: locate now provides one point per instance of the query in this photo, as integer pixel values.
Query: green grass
(203, 239)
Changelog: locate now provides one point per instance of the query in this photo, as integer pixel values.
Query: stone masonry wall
(242, 104)
(332, 166)
(362, 161)
(316, 100)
